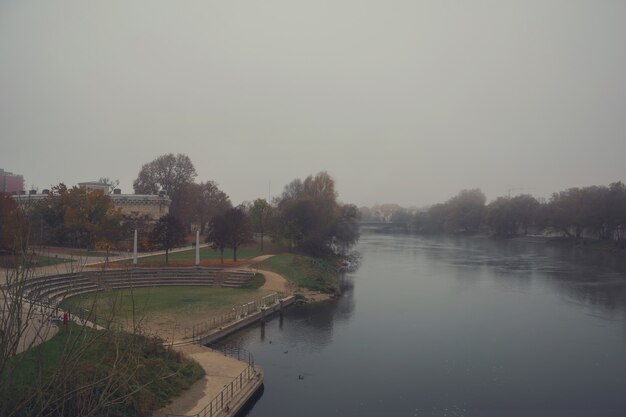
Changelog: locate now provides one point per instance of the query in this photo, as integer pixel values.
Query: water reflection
(453, 326)
(311, 325)
(593, 277)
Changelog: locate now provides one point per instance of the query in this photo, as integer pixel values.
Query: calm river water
(453, 327)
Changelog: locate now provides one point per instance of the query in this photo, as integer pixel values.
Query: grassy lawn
(99, 254)
(48, 260)
(180, 300)
(76, 357)
(304, 271)
(189, 256)
(10, 261)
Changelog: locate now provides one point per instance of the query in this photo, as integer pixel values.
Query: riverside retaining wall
(252, 318)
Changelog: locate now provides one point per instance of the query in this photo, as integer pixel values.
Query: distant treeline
(596, 212)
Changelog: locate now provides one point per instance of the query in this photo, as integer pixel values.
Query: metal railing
(201, 329)
(236, 352)
(221, 402)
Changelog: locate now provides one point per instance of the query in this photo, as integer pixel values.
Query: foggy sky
(400, 101)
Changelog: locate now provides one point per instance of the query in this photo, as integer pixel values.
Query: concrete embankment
(261, 315)
(212, 396)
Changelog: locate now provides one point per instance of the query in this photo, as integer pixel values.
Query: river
(445, 326)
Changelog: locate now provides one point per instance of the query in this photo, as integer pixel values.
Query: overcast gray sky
(400, 101)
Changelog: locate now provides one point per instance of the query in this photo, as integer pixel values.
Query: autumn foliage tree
(77, 217)
(13, 226)
(192, 203)
(200, 202)
(309, 217)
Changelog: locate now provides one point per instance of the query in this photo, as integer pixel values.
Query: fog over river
(445, 326)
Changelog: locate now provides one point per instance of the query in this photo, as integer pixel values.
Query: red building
(11, 183)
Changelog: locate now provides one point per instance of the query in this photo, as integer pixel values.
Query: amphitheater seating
(53, 289)
(237, 279)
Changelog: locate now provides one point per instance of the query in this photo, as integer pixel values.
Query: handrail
(216, 405)
(237, 312)
(233, 351)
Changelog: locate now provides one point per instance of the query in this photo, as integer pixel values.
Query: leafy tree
(260, 216)
(143, 224)
(169, 173)
(432, 220)
(566, 212)
(218, 234)
(307, 215)
(367, 215)
(296, 221)
(501, 218)
(402, 217)
(525, 210)
(239, 228)
(200, 202)
(168, 233)
(466, 211)
(595, 210)
(79, 217)
(616, 206)
(13, 226)
(230, 229)
(507, 216)
(346, 231)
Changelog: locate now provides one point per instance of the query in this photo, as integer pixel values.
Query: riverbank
(594, 244)
(306, 274)
(199, 396)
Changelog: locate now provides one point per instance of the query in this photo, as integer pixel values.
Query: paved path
(220, 371)
(80, 262)
(273, 281)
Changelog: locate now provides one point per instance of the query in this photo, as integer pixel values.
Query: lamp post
(135, 249)
(197, 247)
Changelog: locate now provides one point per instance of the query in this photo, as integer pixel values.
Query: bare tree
(169, 173)
(92, 369)
(113, 184)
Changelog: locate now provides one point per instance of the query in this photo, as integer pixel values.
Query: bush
(114, 373)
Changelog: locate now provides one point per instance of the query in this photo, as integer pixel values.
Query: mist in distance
(402, 102)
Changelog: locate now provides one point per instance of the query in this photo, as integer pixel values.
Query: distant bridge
(376, 223)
